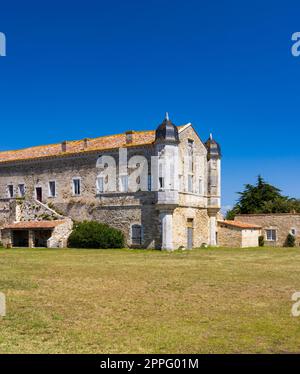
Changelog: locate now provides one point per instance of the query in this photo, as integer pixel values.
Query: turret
(214, 185)
(167, 132)
(214, 172)
(166, 150)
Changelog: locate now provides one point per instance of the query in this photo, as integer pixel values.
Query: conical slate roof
(213, 148)
(167, 132)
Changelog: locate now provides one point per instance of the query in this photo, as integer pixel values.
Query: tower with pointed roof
(213, 185)
(166, 152)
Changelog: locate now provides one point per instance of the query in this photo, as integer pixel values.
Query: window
(191, 154)
(181, 183)
(136, 234)
(213, 180)
(52, 189)
(21, 189)
(200, 186)
(100, 184)
(10, 190)
(76, 187)
(161, 183)
(124, 183)
(190, 183)
(213, 165)
(149, 182)
(271, 235)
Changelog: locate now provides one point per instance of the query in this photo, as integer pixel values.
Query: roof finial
(167, 116)
(210, 136)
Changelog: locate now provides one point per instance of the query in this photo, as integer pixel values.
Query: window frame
(76, 179)
(271, 238)
(10, 191)
(190, 186)
(201, 186)
(99, 191)
(49, 189)
(123, 187)
(20, 194)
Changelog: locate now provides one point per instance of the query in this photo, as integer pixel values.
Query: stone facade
(275, 227)
(39, 224)
(238, 234)
(183, 215)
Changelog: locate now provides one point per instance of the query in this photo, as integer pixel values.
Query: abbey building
(161, 188)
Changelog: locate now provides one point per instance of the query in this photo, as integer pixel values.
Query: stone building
(167, 196)
(237, 234)
(275, 227)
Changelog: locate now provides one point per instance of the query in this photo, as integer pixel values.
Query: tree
(263, 198)
(290, 241)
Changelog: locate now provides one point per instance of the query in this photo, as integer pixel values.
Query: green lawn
(134, 301)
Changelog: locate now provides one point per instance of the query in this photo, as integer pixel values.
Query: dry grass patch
(122, 301)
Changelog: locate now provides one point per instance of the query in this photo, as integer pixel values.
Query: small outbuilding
(275, 227)
(36, 234)
(238, 234)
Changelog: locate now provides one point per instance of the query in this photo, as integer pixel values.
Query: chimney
(64, 146)
(129, 136)
(85, 143)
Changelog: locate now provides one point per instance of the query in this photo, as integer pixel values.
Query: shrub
(92, 234)
(1, 244)
(290, 241)
(261, 241)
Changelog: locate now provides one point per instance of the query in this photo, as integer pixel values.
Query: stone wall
(32, 210)
(250, 238)
(7, 211)
(200, 226)
(282, 223)
(60, 235)
(229, 236)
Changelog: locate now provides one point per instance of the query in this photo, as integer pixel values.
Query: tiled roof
(139, 138)
(34, 225)
(239, 225)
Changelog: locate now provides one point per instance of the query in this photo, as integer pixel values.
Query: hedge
(92, 234)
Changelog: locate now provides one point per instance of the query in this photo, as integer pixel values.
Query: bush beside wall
(92, 234)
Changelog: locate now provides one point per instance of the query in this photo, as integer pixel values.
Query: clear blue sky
(78, 69)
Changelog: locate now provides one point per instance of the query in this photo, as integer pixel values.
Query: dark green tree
(263, 198)
(290, 241)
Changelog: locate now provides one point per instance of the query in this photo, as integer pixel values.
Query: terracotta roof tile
(240, 225)
(139, 138)
(34, 225)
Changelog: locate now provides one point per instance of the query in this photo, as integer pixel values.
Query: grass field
(130, 301)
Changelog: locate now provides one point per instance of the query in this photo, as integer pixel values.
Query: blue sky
(84, 69)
